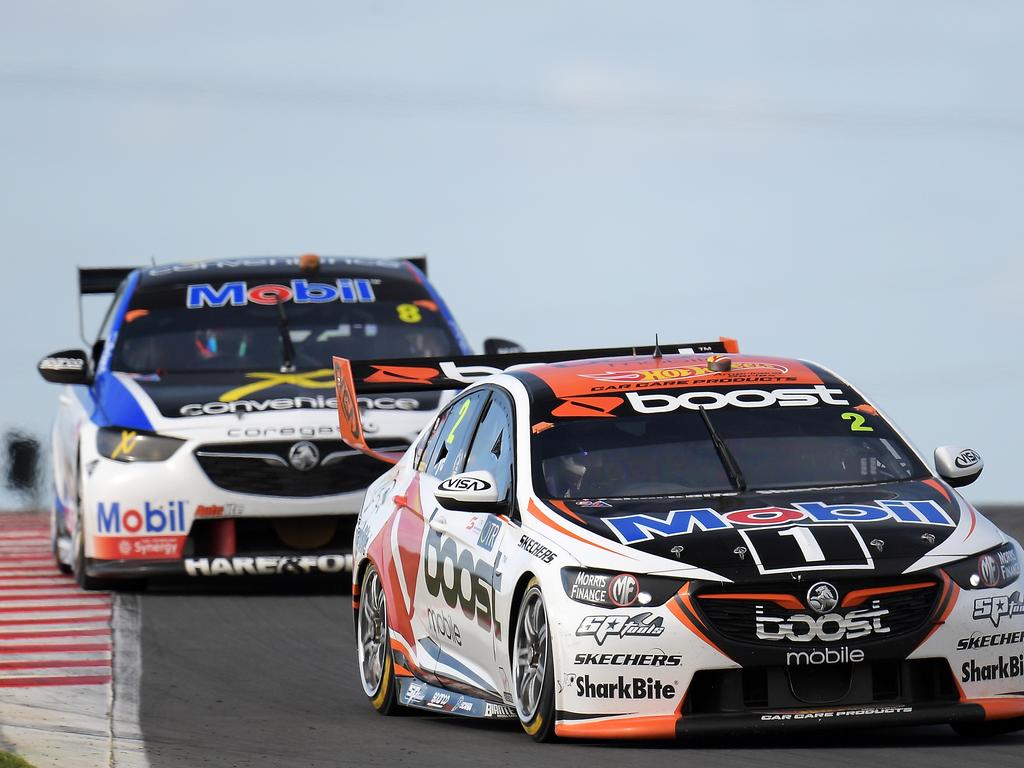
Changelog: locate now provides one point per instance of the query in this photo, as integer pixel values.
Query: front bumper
(674, 676)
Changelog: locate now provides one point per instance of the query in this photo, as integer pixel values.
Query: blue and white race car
(198, 436)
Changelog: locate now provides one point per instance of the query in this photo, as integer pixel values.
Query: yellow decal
(311, 380)
(127, 444)
(409, 313)
(462, 415)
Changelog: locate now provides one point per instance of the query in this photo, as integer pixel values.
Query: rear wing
(93, 280)
(444, 373)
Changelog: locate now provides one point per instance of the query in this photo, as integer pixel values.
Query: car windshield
(669, 454)
(160, 334)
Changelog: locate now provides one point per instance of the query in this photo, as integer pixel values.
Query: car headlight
(612, 589)
(989, 570)
(128, 445)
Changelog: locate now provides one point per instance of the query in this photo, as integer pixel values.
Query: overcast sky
(832, 180)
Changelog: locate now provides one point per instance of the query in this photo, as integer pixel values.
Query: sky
(835, 181)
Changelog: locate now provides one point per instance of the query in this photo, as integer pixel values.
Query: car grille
(920, 681)
(908, 610)
(263, 468)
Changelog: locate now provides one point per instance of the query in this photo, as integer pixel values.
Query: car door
(456, 597)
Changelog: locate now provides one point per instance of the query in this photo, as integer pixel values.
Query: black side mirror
(68, 367)
(501, 347)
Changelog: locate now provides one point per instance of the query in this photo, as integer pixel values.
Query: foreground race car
(664, 545)
(199, 435)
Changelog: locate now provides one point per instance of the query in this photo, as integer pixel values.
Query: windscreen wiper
(287, 347)
(728, 460)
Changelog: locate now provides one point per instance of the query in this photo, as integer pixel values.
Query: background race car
(662, 545)
(198, 434)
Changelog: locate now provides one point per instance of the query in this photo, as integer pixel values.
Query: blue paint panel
(450, 661)
(445, 312)
(114, 404)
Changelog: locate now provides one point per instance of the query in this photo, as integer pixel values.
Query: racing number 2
(805, 548)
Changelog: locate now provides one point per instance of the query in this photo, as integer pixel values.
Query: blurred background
(831, 180)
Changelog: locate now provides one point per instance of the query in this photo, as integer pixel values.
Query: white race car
(659, 545)
(199, 435)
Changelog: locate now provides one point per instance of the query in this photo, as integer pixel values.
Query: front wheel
(376, 667)
(83, 579)
(533, 667)
(989, 728)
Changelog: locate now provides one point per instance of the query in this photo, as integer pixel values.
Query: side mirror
(469, 492)
(958, 466)
(68, 367)
(501, 347)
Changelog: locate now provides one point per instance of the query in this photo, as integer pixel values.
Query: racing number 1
(809, 546)
(805, 548)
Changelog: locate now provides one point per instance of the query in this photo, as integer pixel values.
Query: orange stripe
(684, 597)
(402, 671)
(648, 727)
(561, 505)
(1000, 709)
(785, 601)
(950, 591)
(858, 596)
(931, 481)
(535, 511)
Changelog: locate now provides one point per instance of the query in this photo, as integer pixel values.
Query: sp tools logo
(997, 608)
(612, 625)
(681, 373)
(346, 290)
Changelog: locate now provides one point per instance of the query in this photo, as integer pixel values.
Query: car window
(172, 330)
(492, 445)
(426, 448)
(448, 452)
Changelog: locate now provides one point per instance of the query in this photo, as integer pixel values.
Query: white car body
(260, 482)
(454, 580)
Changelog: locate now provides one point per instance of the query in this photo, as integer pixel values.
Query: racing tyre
(533, 667)
(54, 542)
(988, 728)
(376, 667)
(84, 580)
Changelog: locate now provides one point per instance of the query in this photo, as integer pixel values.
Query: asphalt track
(266, 677)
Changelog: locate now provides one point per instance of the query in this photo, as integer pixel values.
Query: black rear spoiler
(439, 373)
(404, 374)
(420, 262)
(93, 280)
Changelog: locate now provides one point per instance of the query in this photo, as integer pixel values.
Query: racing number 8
(409, 313)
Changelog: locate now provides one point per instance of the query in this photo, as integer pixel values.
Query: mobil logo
(150, 518)
(238, 293)
(632, 529)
